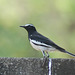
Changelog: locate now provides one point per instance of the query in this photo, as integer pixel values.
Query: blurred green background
(53, 18)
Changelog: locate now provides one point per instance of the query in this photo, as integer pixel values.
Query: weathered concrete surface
(35, 66)
(23, 66)
(63, 67)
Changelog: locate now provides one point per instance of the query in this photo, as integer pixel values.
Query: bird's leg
(45, 58)
(43, 53)
(47, 54)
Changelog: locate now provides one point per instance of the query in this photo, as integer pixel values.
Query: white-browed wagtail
(40, 42)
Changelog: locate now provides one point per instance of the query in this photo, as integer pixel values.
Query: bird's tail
(63, 50)
(70, 53)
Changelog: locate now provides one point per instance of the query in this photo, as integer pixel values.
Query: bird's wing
(40, 38)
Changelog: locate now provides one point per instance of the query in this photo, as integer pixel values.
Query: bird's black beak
(22, 26)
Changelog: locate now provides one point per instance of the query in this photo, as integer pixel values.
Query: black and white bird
(40, 42)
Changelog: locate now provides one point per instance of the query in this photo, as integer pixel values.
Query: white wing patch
(39, 47)
(39, 43)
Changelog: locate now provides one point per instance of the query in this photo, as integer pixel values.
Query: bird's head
(29, 27)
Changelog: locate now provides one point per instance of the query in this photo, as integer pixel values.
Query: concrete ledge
(63, 67)
(22, 66)
(34, 66)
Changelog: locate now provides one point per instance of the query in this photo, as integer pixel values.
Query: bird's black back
(40, 38)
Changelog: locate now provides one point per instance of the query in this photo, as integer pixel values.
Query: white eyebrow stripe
(39, 43)
(28, 24)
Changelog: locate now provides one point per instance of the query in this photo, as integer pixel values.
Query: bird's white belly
(42, 48)
(34, 46)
